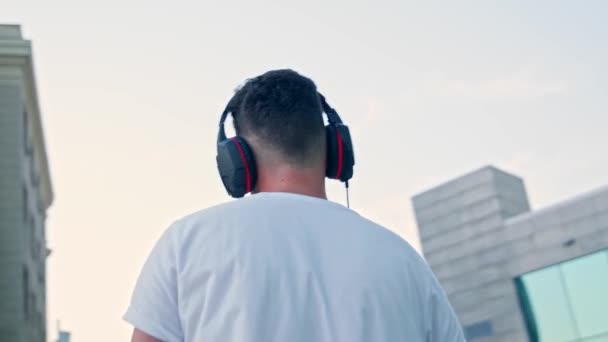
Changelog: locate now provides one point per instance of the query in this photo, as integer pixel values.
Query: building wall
(11, 223)
(461, 227)
(554, 235)
(544, 235)
(24, 196)
(478, 236)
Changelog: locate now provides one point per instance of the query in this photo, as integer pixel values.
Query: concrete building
(513, 274)
(25, 195)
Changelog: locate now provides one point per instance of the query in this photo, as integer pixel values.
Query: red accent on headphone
(340, 153)
(242, 154)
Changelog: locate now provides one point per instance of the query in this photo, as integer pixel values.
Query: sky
(131, 93)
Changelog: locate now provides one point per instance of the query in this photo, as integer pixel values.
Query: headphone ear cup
(340, 153)
(349, 154)
(332, 152)
(236, 166)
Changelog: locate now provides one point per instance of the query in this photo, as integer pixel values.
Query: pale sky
(131, 95)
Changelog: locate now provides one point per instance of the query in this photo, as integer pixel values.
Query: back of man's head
(279, 114)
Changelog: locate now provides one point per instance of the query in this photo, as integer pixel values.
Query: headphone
(236, 162)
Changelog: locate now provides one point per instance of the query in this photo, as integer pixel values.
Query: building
(513, 274)
(25, 195)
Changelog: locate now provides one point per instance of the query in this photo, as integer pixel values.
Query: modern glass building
(513, 274)
(567, 301)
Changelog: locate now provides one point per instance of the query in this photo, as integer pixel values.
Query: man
(285, 264)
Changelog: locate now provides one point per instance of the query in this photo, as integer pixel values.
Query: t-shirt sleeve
(444, 324)
(154, 305)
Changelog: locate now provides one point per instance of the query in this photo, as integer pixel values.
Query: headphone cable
(347, 195)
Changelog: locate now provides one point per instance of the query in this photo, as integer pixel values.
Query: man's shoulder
(388, 235)
(241, 213)
(214, 213)
(396, 250)
(232, 213)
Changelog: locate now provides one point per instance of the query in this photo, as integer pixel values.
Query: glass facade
(567, 302)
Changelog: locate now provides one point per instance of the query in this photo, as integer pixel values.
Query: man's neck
(290, 181)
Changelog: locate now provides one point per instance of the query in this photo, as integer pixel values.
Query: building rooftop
(10, 32)
(474, 173)
(597, 193)
(422, 199)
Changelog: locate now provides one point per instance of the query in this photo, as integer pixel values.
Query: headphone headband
(332, 115)
(221, 135)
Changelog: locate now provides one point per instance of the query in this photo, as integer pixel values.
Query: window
(25, 129)
(39, 323)
(33, 237)
(567, 302)
(41, 275)
(27, 141)
(26, 296)
(34, 174)
(35, 249)
(586, 281)
(25, 204)
(478, 330)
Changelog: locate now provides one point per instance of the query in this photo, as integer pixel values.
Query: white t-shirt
(288, 268)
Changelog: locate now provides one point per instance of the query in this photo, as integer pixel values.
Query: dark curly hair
(282, 111)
